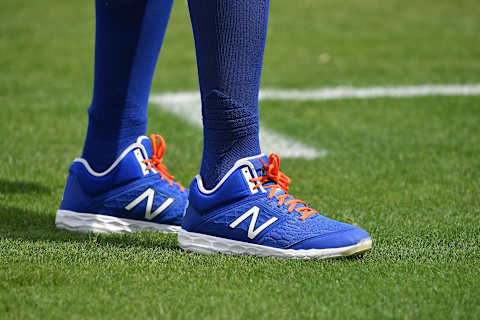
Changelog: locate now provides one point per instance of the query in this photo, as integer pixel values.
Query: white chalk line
(372, 92)
(187, 105)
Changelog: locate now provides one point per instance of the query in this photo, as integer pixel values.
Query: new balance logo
(150, 194)
(252, 232)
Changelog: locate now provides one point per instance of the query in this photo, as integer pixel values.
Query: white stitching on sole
(91, 222)
(206, 244)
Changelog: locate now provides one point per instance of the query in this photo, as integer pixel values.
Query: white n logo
(149, 194)
(252, 232)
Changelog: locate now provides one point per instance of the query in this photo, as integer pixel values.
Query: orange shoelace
(282, 181)
(159, 146)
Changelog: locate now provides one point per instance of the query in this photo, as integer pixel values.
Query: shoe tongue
(261, 171)
(147, 143)
(259, 165)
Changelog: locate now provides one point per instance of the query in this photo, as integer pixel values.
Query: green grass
(407, 170)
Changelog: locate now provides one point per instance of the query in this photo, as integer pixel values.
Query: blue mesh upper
(287, 231)
(110, 194)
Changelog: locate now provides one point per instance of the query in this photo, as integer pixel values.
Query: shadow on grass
(11, 187)
(30, 225)
(34, 226)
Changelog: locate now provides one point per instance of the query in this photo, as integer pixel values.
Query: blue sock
(129, 35)
(230, 40)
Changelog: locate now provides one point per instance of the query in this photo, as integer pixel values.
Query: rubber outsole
(206, 244)
(98, 223)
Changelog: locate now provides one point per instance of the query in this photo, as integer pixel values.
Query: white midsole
(92, 222)
(206, 244)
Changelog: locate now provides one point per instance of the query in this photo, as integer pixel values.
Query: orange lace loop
(282, 181)
(159, 146)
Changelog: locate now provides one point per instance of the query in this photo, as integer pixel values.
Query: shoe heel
(191, 218)
(74, 198)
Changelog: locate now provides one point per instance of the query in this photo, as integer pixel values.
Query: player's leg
(239, 203)
(230, 40)
(129, 35)
(120, 183)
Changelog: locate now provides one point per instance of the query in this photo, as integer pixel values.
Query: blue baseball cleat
(135, 194)
(250, 212)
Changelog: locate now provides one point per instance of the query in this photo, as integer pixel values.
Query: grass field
(406, 169)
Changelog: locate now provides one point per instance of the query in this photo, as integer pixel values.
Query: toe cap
(338, 239)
